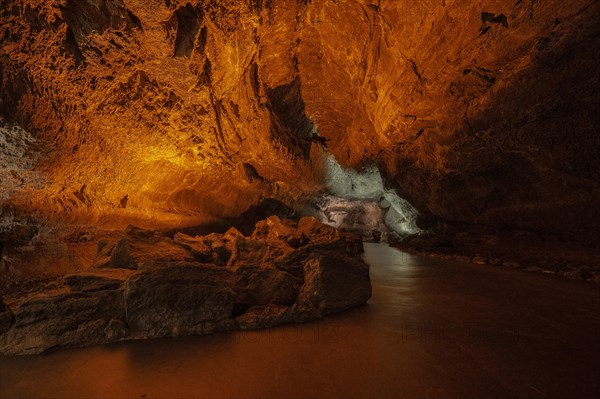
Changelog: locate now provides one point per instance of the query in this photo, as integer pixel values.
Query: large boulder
(177, 300)
(307, 231)
(70, 319)
(318, 236)
(283, 272)
(334, 284)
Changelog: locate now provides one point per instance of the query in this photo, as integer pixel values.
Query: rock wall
(156, 111)
(478, 112)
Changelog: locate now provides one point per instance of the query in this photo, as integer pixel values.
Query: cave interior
(184, 167)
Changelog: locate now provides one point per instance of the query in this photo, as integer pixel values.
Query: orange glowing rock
(162, 103)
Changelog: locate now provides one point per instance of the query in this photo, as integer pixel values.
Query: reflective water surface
(433, 329)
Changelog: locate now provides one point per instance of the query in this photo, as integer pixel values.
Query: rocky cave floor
(514, 249)
(146, 284)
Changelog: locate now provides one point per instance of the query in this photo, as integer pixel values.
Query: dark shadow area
(188, 25)
(289, 124)
(244, 223)
(528, 159)
(84, 17)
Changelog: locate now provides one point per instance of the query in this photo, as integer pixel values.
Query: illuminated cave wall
(157, 111)
(177, 112)
(360, 201)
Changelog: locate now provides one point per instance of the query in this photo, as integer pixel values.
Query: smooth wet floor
(433, 329)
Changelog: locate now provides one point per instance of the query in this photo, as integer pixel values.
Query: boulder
(346, 245)
(285, 245)
(333, 284)
(71, 319)
(284, 272)
(318, 236)
(179, 300)
(296, 235)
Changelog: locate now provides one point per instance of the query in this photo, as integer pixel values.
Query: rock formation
(180, 112)
(173, 114)
(146, 286)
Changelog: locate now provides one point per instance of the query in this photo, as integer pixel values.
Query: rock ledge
(146, 285)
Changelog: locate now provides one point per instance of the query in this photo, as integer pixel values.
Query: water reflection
(432, 329)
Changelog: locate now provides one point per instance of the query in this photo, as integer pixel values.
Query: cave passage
(359, 201)
(433, 328)
(404, 195)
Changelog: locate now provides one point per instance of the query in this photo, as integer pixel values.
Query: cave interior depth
(176, 168)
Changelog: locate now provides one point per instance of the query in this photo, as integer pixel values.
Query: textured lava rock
(72, 319)
(480, 112)
(178, 300)
(270, 286)
(97, 280)
(6, 317)
(139, 248)
(212, 248)
(332, 284)
(265, 316)
(266, 282)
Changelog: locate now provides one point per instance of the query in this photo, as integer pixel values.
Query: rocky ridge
(145, 285)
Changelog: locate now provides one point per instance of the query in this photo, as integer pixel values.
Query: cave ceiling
(180, 112)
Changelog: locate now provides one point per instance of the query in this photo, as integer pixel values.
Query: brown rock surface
(332, 284)
(173, 113)
(167, 295)
(6, 317)
(97, 280)
(178, 300)
(139, 248)
(71, 319)
(212, 248)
